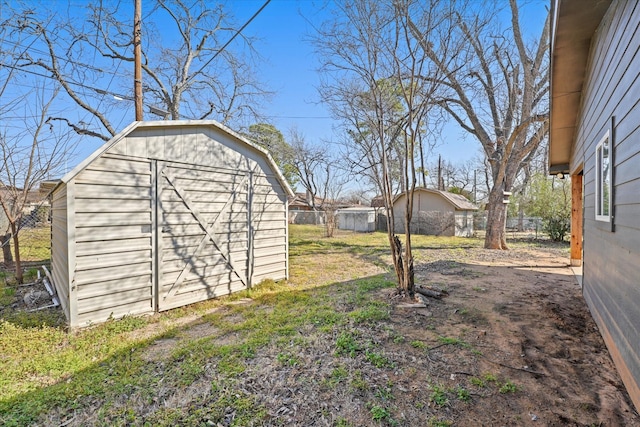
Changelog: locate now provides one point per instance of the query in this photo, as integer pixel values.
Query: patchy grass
(327, 344)
(110, 359)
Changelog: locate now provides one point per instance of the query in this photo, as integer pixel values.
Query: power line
(237, 33)
(71, 82)
(299, 117)
(59, 58)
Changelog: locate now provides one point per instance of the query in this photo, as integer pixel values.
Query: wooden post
(137, 54)
(576, 220)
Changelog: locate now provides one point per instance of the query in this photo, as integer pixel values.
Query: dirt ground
(524, 311)
(522, 344)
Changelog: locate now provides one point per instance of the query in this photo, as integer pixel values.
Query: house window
(604, 168)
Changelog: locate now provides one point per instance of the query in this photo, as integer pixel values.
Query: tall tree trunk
(496, 219)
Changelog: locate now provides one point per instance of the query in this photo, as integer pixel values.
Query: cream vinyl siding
(167, 214)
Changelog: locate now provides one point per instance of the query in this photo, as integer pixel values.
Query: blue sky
(289, 70)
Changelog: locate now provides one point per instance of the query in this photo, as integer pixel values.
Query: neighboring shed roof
(163, 123)
(458, 201)
(575, 22)
(357, 209)
(377, 202)
(301, 200)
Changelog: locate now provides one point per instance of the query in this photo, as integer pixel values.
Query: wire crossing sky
(287, 66)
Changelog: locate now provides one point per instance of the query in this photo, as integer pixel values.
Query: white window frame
(601, 179)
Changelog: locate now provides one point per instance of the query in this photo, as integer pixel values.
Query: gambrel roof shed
(165, 214)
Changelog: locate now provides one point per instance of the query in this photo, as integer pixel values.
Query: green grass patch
(342, 422)
(380, 413)
(347, 345)
(378, 360)
(338, 375)
(418, 344)
(453, 341)
(463, 394)
(508, 387)
(7, 293)
(435, 422)
(374, 311)
(439, 396)
(358, 382)
(287, 359)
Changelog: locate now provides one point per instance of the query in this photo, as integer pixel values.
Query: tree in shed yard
(186, 71)
(270, 138)
(373, 67)
(28, 156)
(319, 173)
(497, 90)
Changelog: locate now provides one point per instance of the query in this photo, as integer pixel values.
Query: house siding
(610, 269)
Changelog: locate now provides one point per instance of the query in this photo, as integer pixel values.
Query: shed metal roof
(458, 201)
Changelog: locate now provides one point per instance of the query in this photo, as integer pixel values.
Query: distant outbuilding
(165, 214)
(436, 212)
(362, 219)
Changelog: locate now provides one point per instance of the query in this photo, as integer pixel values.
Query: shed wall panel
(115, 312)
(114, 244)
(59, 241)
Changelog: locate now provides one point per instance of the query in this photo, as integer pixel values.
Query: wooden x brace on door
(206, 227)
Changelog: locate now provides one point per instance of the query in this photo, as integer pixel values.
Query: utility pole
(137, 54)
(440, 179)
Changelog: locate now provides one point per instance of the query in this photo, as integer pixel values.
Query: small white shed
(165, 214)
(361, 219)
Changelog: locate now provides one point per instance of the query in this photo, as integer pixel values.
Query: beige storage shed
(436, 212)
(165, 214)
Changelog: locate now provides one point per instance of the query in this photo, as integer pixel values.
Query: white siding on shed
(167, 214)
(357, 219)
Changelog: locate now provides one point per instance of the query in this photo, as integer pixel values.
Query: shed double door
(202, 229)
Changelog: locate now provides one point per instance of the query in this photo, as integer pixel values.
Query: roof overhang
(575, 22)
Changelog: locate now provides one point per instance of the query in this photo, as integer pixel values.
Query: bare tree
(189, 70)
(497, 90)
(374, 67)
(27, 157)
(320, 175)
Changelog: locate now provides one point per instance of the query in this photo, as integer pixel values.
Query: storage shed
(436, 212)
(594, 137)
(361, 219)
(165, 214)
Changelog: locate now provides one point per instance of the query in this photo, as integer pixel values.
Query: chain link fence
(530, 225)
(34, 232)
